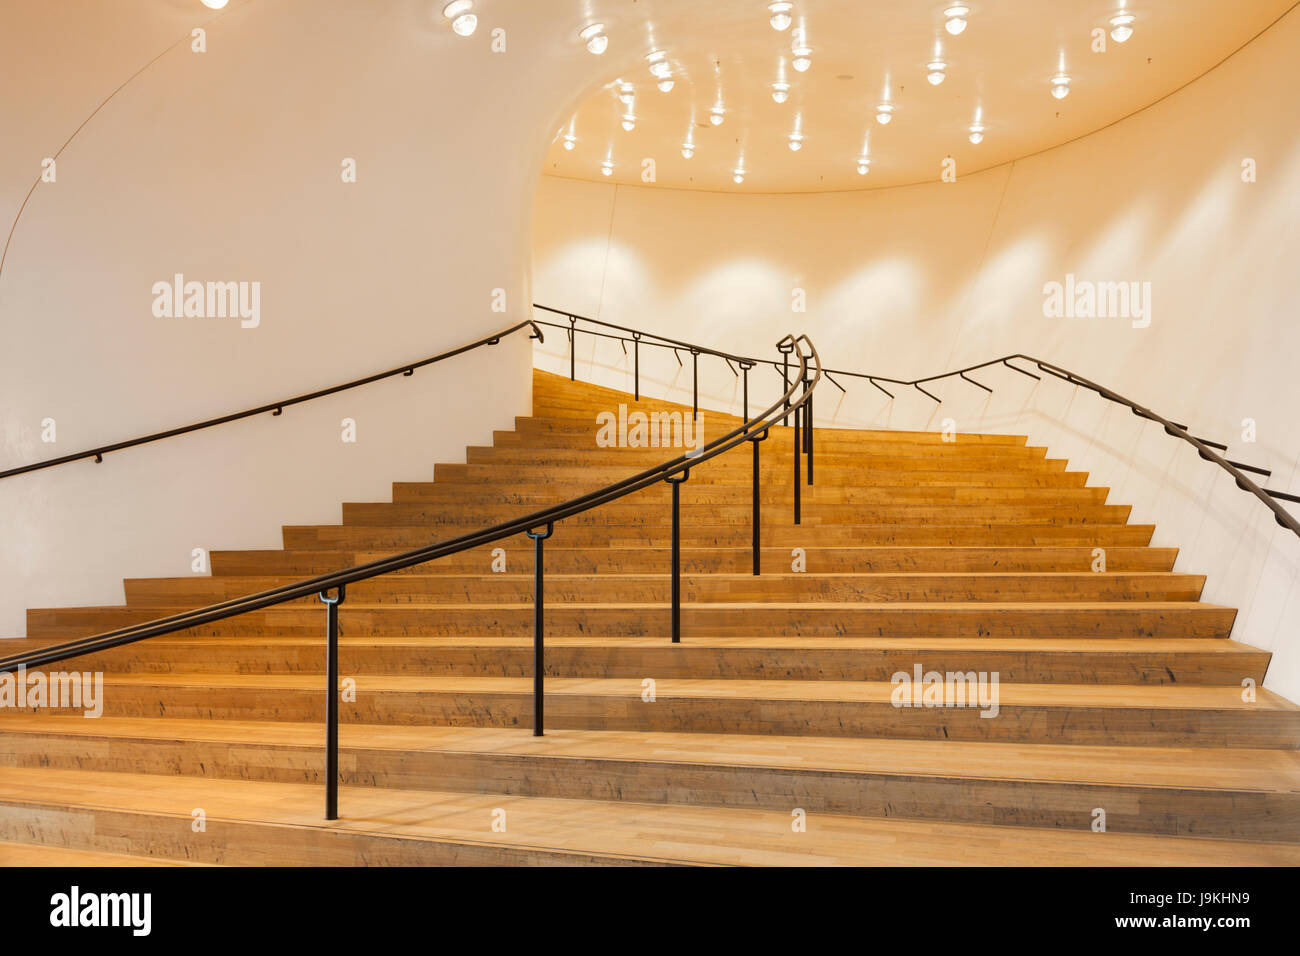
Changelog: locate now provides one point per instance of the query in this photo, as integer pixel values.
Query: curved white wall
(226, 165)
(918, 280)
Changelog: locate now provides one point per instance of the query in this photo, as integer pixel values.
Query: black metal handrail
(1204, 447)
(638, 338)
(276, 408)
(331, 587)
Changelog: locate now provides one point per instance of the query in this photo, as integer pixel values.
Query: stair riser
(358, 537)
(700, 561)
(518, 588)
(738, 461)
(829, 447)
(777, 478)
(482, 494)
(539, 428)
(1129, 726)
(650, 514)
(1129, 809)
(829, 620)
(684, 661)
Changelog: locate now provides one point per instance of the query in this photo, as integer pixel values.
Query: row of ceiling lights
(781, 18)
(459, 12)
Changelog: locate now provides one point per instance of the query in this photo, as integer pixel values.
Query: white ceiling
(1001, 65)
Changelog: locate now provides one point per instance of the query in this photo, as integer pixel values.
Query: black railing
(275, 408)
(331, 587)
(1204, 447)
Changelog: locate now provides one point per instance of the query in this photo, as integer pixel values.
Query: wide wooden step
(777, 477)
(561, 560)
(1023, 660)
(515, 588)
(394, 539)
(514, 492)
(636, 514)
(1097, 714)
(542, 426)
(262, 823)
(828, 444)
(635, 459)
(810, 619)
(1222, 793)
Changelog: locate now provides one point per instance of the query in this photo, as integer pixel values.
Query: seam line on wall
(609, 244)
(26, 199)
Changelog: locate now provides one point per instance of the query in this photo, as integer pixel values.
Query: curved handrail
(749, 430)
(275, 408)
(1204, 447)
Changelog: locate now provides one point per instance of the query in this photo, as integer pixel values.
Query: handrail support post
(539, 612)
(677, 481)
(332, 700)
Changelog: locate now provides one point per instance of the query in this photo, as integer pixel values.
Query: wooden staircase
(1118, 691)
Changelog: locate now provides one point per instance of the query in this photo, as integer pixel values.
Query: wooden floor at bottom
(19, 854)
(256, 823)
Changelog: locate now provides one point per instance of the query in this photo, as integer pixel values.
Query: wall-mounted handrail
(1204, 447)
(275, 408)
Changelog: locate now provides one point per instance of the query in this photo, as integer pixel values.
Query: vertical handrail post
(573, 349)
(539, 611)
(676, 481)
(744, 368)
(785, 379)
(695, 384)
(332, 700)
(808, 428)
(798, 469)
(758, 542)
(636, 366)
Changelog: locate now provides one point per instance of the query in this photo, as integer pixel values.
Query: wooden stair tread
(1027, 695)
(1116, 646)
(1195, 768)
(619, 831)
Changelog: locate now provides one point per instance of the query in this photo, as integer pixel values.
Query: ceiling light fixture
(884, 113)
(606, 168)
(688, 150)
(796, 142)
(780, 92)
(864, 166)
(955, 18)
(1061, 86)
(626, 94)
(936, 72)
(1121, 26)
(659, 65)
(594, 37)
(802, 59)
(666, 85)
(738, 175)
(570, 141)
(462, 21)
(976, 133)
(629, 122)
(214, 4)
(780, 19)
(716, 115)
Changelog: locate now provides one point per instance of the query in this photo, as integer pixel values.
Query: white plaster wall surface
(917, 280)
